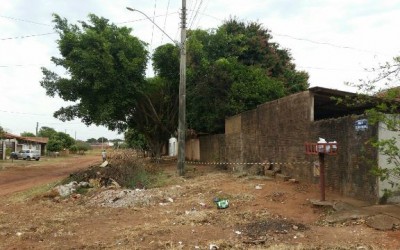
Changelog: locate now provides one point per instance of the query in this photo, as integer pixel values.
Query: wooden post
(321, 157)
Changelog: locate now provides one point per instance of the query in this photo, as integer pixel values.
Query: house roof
(42, 140)
(326, 103)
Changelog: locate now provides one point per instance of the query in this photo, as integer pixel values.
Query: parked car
(26, 154)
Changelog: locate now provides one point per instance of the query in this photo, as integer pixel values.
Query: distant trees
(28, 134)
(1, 132)
(102, 139)
(47, 132)
(80, 147)
(91, 140)
(57, 140)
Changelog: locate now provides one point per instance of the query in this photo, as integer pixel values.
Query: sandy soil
(262, 214)
(21, 175)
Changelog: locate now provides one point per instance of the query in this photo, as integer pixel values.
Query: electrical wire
(165, 22)
(21, 113)
(325, 43)
(204, 10)
(27, 36)
(152, 31)
(27, 21)
(19, 65)
(193, 8)
(196, 14)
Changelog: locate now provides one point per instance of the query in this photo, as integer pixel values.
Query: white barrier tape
(235, 163)
(246, 163)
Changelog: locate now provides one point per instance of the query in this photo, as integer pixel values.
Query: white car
(28, 154)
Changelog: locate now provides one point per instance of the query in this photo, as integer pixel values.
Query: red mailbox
(321, 149)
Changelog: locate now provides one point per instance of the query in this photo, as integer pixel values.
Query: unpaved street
(262, 214)
(21, 175)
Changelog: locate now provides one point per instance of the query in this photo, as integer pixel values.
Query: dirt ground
(262, 213)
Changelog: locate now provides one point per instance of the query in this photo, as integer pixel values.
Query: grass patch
(31, 193)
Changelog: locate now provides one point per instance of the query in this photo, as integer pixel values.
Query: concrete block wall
(349, 171)
(212, 148)
(276, 132)
(283, 128)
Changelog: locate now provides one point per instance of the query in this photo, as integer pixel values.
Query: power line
(330, 69)
(196, 14)
(193, 8)
(204, 10)
(143, 19)
(165, 22)
(325, 43)
(52, 33)
(20, 65)
(152, 31)
(21, 113)
(27, 21)
(21, 37)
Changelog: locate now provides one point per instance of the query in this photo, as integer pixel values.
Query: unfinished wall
(212, 148)
(349, 172)
(192, 149)
(284, 127)
(276, 132)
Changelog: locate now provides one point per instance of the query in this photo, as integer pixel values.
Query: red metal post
(321, 157)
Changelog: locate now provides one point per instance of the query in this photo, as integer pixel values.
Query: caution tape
(246, 163)
(232, 163)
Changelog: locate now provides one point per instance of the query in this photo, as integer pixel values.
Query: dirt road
(262, 214)
(21, 175)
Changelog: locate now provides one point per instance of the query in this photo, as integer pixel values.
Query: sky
(335, 41)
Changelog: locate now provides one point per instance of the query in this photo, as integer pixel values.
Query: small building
(14, 143)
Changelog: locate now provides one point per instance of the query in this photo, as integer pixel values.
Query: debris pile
(136, 197)
(68, 189)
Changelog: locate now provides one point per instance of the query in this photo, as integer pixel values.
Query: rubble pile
(128, 173)
(136, 197)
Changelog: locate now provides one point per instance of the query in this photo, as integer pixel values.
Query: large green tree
(47, 132)
(106, 80)
(105, 68)
(57, 140)
(233, 69)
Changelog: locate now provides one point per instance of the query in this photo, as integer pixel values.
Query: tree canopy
(57, 140)
(106, 80)
(1, 131)
(47, 132)
(233, 69)
(91, 140)
(105, 72)
(28, 134)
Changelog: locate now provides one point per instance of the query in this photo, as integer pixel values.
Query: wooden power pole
(182, 95)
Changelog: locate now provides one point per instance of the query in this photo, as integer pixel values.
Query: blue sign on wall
(361, 125)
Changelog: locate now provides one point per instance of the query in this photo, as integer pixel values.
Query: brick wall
(276, 132)
(349, 172)
(212, 148)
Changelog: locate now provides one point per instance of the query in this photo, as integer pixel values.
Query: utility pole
(182, 86)
(182, 95)
(37, 128)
